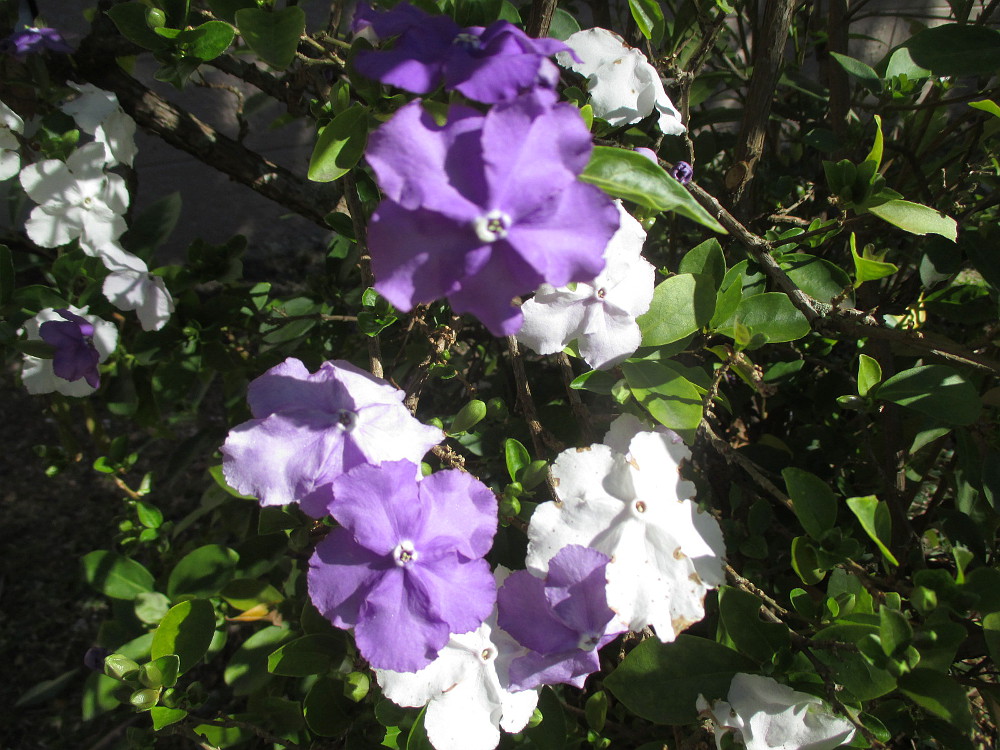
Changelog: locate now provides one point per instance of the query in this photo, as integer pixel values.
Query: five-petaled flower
(485, 208)
(75, 355)
(80, 341)
(33, 39)
(488, 65)
(308, 428)
(406, 567)
(97, 112)
(10, 156)
(130, 286)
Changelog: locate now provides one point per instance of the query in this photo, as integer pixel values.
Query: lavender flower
(76, 356)
(682, 172)
(39, 376)
(486, 207)
(308, 428)
(490, 64)
(406, 569)
(32, 39)
(564, 619)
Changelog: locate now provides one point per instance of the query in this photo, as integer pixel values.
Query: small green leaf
(247, 668)
(210, 39)
(164, 717)
(817, 277)
(916, 218)
(273, 35)
(649, 18)
(671, 399)
(875, 155)
(869, 374)
(187, 631)
(340, 145)
(681, 305)
(986, 105)
(326, 710)
(706, 259)
(740, 613)
(938, 391)
(596, 710)
(120, 667)
(863, 72)
(468, 417)
(130, 18)
(203, 572)
(869, 269)
(563, 25)
(115, 575)
(310, 654)
(939, 694)
(626, 174)
(875, 520)
(895, 632)
(770, 315)
(151, 606)
(161, 672)
(991, 634)
(805, 562)
(813, 501)
(516, 456)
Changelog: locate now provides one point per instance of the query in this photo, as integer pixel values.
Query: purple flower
(308, 428)
(682, 172)
(76, 356)
(562, 619)
(406, 569)
(31, 39)
(486, 207)
(490, 64)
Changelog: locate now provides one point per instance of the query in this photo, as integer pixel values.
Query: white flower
(624, 87)
(37, 374)
(130, 286)
(77, 200)
(465, 689)
(665, 553)
(10, 154)
(771, 716)
(599, 315)
(97, 112)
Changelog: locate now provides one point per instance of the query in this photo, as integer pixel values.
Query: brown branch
(580, 411)
(365, 261)
(540, 17)
(541, 440)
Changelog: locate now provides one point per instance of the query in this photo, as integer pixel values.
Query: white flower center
(404, 553)
(601, 293)
(487, 654)
(88, 201)
(639, 506)
(346, 419)
(467, 41)
(588, 641)
(493, 226)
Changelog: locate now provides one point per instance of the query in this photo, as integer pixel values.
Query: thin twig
(542, 441)
(580, 410)
(365, 261)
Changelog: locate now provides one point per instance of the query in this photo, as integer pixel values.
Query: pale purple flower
(485, 208)
(309, 428)
(490, 64)
(563, 619)
(40, 376)
(405, 570)
(682, 172)
(75, 355)
(32, 39)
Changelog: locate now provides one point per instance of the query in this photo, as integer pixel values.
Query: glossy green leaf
(875, 520)
(681, 305)
(160, 672)
(210, 39)
(661, 682)
(772, 315)
(813, 501)
(563, 25)
(247, 668)
(706, 259)
(130, 18)
(671, 399)
(551, 731)
(991, 634)
(417, 738)
(648, 17)
(115, 575)
(875, 154)
(164, 717)
(626, 174)
(740, 613)
(862, 71)
(987, 105)
(273, 35)
(895, 632)
(916, 218)
(956, 50)
(327, 712)
(203, 572)
(869, 269)
(310, 654)
(805, 562)
(340, 145)
(469, 416)
(817, 277)
(869, 374)
(938, 694)
(938, 391)
(186, 630)
(516, 457)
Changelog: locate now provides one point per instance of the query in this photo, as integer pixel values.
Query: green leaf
(901, 64)
(596, 710)
(894, 631)
(340, 145)
(875, 520)
(726, 303)
(938, 694)
(469, 416)
(226, 9)
(595, 381)
(115, 575)
(706, 259)
(875, 155)
(817, 277)
(327, 712)
(991, 634)
(209, 40)
(772, 315)
(805, 561)
(244, 593)
(863, 72)
(681, 305)
(626, 174)
(516, 456)
(151, 606)
(671, 399)
(986, 105)
(177, 11)
(130, 18)
(6, 275)
(220, 479)
(551, 731)
(649, 18)
(417, 738)
(160, 672)
(936, 390)
(563, 25)
(916, 218)
(869, 269)
(740, 613)
(869, 374)
(274, 36)
(247, 668)
(956, 50)
(662, 681)
(186, 630)
(813, 501)
(164, 717)
(310, 654)
(203, 572)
